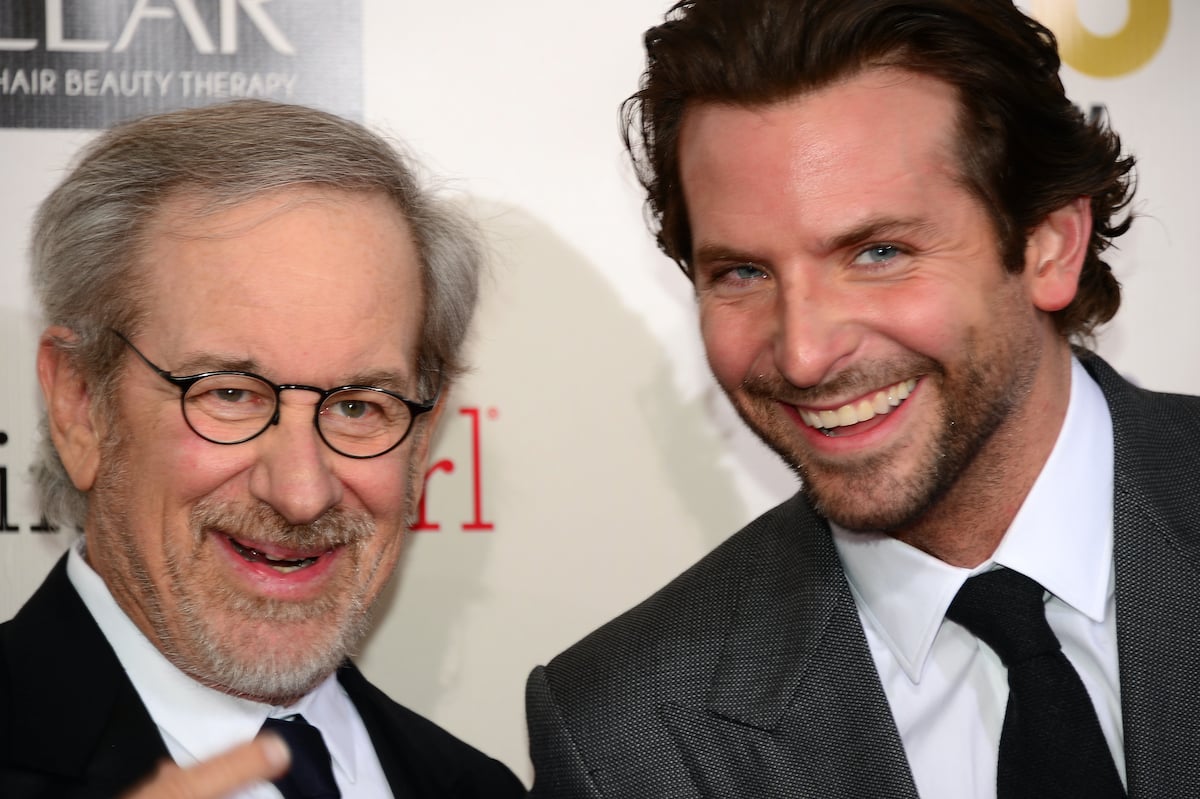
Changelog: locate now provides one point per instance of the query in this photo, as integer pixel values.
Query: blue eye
(747, 272)
(879, 253)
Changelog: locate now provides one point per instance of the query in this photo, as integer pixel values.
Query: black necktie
(1051, 746)
(311, 772)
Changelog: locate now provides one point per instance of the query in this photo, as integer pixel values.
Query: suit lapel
(387, 738)
(1157, 561)
(795, 707)
(86, 724)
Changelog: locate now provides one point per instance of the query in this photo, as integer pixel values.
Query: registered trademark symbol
(493, 413)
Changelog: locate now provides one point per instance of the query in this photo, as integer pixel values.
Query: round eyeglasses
(232, 407)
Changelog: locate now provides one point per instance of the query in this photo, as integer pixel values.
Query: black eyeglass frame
(185, 382)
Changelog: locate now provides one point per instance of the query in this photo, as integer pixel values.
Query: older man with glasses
(253, 310)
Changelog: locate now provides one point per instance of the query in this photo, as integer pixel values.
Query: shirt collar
(1063, 534)
(196, 721)
(1061, 537)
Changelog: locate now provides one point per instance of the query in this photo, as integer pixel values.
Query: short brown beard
(971, 418)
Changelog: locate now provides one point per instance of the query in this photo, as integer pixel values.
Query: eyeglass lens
(232, 408)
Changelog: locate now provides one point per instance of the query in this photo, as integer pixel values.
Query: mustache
(852, 382)
(260, 522)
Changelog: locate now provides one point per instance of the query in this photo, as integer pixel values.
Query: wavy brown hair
(1024, 149)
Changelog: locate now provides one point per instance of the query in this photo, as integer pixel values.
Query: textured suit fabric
(72, 725)
(750, 676)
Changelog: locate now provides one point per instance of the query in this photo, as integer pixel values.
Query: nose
(813, 332)
(294, 473)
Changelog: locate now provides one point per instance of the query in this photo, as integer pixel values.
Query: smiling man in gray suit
(894, 218)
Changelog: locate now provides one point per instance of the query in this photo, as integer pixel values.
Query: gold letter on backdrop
(1106, 56)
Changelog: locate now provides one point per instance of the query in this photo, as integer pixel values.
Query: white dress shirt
(948, 690)
(197, 722)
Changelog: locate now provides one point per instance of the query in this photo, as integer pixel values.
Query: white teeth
(290, 569)
(853, 413)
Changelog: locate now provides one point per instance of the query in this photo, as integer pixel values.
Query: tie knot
(1004, 609)
(311, 773)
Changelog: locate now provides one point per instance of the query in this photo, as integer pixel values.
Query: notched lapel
(791, 589)
(726, 760)
(795, 707)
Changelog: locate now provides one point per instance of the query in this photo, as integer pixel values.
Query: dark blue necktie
(311, 772)
(1051, 745)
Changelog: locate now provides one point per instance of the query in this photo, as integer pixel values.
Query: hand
(264, 758)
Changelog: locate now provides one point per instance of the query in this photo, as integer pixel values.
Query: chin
(274, 661)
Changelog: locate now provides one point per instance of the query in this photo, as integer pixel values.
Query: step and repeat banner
(588, 458)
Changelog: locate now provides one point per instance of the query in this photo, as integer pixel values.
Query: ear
(68, 408)
(1054, 254)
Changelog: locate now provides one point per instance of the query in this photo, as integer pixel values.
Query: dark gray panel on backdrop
(90, 63)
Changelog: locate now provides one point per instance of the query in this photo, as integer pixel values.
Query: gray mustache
(261, 522)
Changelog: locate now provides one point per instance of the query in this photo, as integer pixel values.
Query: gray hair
(89, 233)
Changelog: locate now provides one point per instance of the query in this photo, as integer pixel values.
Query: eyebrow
(198, 363)
(871, 229)
(719, 253)
(388, 380)
(876, 229)
(195, 363)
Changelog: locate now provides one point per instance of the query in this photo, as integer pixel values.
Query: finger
(264, 758)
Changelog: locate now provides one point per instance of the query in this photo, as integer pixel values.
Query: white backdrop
(606, 461)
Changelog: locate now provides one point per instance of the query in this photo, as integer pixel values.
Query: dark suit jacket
(71, 724)
(750, 675)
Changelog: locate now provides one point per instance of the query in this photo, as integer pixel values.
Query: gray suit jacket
(750, 675)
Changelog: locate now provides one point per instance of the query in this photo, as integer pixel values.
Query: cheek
(926, 317)
(379, 491)
(382, 496)
(734, 343)
(165, 450)
(944, 331)
(180, 469)
(384, 554)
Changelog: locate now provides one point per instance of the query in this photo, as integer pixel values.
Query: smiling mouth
(281, 565)
(882, 402)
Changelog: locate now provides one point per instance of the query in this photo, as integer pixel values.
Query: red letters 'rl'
(446, 465)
